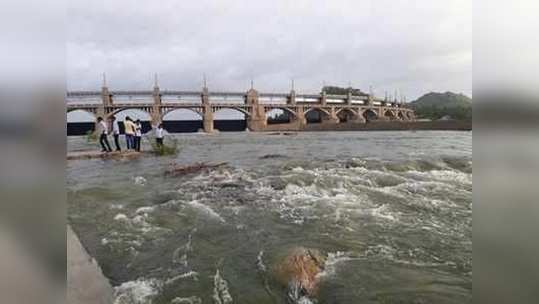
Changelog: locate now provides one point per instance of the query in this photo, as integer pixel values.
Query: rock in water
(298, 271)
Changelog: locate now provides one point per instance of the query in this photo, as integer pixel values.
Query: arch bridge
(332, 109)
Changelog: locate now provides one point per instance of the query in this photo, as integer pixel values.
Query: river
(392, 211)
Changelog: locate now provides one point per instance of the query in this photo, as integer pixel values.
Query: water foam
(146, 209)
(206, 210)
(176, 258)
(452, 176)
(189, 300)
(383, 212)
(120, 217)
(139, 180)
(189, 274)
(221, 294)
(139, 291)
(295, 294)
(330, 266)
(260, 262)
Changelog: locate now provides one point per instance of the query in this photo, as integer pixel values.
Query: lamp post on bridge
(105, 94)
(156, 108)
(348, 99)
(292, 97)
(206, 108)
(106, 99)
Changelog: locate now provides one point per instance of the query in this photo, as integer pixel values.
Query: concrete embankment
(86, 284)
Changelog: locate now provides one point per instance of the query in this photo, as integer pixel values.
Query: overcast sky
(410, 45)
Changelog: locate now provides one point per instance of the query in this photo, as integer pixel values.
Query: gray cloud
(415, 46)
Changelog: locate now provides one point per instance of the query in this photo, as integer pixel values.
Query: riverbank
(86, 283)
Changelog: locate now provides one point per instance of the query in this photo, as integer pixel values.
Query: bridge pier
(257, 121)
(332, 118)
(358, 119)
(301, 120)
(156, 117)
(100, 111)
(381, 113)
(207, 121)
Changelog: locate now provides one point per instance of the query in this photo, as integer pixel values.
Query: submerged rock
(298, 271)
(272, 156)
(177, 170)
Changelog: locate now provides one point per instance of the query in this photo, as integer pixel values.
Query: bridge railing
(83, 93)
(132, 93)
(217, 97)
(180, 93)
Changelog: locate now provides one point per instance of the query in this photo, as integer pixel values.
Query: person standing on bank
(138, 134)
(115, 132)
(129, 133)
(103, 131)
(159, 135)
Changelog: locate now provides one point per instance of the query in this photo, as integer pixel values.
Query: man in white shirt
(138, 134)
(115, 132)
(103, 131)
(159, 135)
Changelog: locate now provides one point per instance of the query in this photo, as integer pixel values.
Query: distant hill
(437, 105)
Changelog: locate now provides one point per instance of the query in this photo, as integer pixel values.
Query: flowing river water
(392, 211)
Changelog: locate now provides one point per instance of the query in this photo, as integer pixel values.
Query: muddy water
(392, 211)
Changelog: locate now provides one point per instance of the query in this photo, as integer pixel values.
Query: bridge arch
(284, 109)
(279, 115)
(318, 109)
(390, 114)
(401, 115)
(369, 115)
(316, 115)
(230, 119)
(189, 113)
(134, 113)
(346, 114)
(347, 110)
(231, 110)
(182, 120)
(80, 115)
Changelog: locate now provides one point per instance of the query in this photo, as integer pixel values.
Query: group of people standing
(132, 131)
